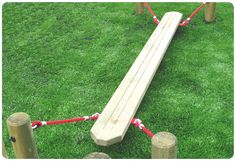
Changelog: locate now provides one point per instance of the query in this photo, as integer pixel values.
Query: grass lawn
(65, 60)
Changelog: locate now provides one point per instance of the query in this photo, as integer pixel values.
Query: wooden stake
(164, 146)
(4, 153)
(139, 8)
(210, 12)
(21, 135)
(97, 155)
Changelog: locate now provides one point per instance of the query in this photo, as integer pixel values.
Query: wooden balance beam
(115, 119)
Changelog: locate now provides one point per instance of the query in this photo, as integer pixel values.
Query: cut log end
(97, 155)
(18, 119)
(164, 146)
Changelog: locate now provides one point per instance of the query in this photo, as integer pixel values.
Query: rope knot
(185, 22)
(155, 20)
(36, 124)
(138, 123)
(86, 118)
(94, 116)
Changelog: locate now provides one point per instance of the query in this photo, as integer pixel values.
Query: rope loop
(184, 23)
(36, 124)
(94, 116)
(137, 123)
(155, 20)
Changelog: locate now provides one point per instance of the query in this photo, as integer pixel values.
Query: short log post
(97, 155)
(210, 9)
(21, 136)
(164, 146)
(4, 153)
(139, 8)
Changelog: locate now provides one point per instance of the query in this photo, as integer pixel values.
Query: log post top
(18, 119)
(164, 140)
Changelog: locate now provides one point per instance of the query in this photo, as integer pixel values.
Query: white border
(2, 3)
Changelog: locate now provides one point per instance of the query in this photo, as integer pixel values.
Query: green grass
(64, 60)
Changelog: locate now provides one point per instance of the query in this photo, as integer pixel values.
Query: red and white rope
(135, 122)
(183, 23)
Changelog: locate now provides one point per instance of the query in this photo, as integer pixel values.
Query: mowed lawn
(65, 60)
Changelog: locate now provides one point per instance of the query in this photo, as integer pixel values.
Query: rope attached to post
(36, 124)
(183, 23)
(136, 122)
(186, 22)
(155, 20)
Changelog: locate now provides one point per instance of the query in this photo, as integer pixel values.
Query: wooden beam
(115, 119)
(210, 12)
(21, 135)
(139, 8)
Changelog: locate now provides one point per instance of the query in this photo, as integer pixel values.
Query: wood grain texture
(164, 146)
(115, 119)
(97, 155)
(21, 135)
(210, 9)
(139, 8)
(4, 153)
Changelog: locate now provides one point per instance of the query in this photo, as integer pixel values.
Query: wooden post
(139, 8)
(210, 12)
(4, 153)
(164, 146)
(97, 155)
(21, 135)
